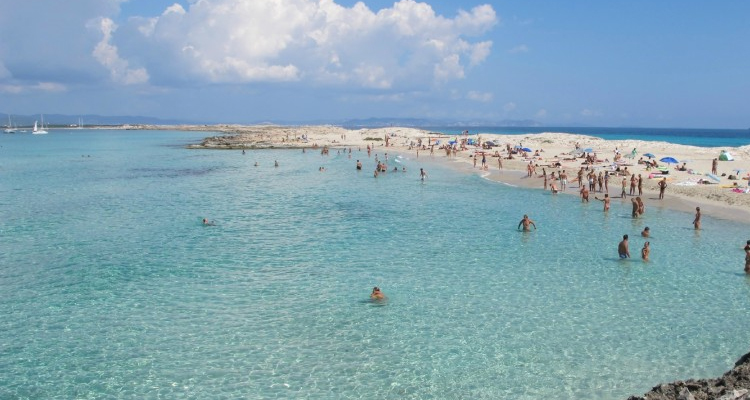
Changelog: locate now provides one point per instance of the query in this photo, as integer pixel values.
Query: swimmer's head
(646, 229)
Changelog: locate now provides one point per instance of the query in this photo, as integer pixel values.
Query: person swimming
(377, 294)
(207, 222)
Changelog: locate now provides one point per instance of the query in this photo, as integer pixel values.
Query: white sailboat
(39, 131)
(10, 128)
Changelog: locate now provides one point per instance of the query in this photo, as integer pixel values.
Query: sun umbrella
(669, 160)
(526, 149)
(588, 150)
(714, 177)
(649, 155)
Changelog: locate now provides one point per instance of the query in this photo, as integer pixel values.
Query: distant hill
(419, 122)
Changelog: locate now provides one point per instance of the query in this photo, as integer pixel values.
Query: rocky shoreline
(733, 385)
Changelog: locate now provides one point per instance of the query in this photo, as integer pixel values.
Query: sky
(669, 63)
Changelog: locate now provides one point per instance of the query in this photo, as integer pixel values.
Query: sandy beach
(723, 198)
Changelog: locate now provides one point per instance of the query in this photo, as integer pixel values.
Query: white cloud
(239, 41)
(107, 55)
(508, 107)
(11, 89)
(50, 87)
(541, 113)
(483, 97)
(519, 49)
(590, 113)
(479, 52)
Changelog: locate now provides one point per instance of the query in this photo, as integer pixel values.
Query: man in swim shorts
(622, 248)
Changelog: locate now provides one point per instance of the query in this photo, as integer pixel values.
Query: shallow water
(111, 287)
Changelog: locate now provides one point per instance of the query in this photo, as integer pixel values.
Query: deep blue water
(110, 286)
(693, 137)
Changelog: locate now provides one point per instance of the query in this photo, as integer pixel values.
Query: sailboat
(39, 131)
(10, 128)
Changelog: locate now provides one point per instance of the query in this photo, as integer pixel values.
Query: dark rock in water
(733, 385)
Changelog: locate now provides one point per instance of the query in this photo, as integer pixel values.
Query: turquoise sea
(111, 287)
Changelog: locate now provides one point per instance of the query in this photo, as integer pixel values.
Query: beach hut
(725, 156)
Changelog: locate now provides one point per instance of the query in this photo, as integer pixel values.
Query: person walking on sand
(662, 188)
(624, 187)
(715, 166)
(645, 251)
(563, 180)
(633, 185)
(622, 248)
(697, 220)
(605, 200)
(526, 222)
(606, 182)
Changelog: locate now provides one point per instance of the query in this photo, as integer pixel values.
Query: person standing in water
(747, 257)
(623, 248)
(377, 294)
(422, 174)
(605, 200)
(527, 223)
(645, 251)
(697, 220)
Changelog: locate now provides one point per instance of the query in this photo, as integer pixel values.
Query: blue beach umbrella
(526, 149)
(588, 150)
(649, 155)
(669, 160)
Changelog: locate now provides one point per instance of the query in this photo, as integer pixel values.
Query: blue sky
(596, 63)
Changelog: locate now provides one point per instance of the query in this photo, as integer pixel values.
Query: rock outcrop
(733, 385)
